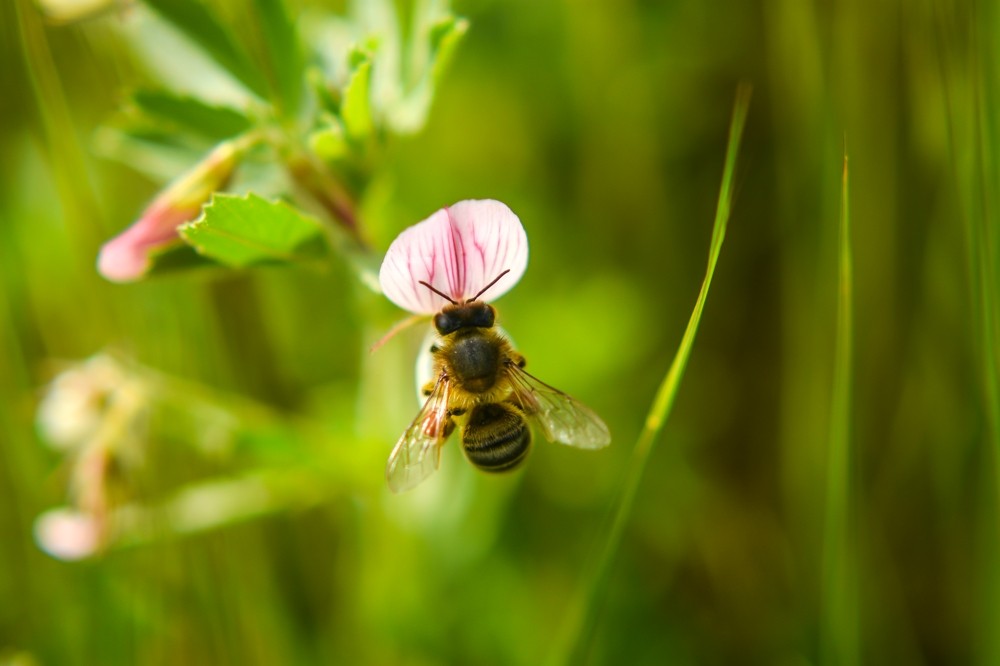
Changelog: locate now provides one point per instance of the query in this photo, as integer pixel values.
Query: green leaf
(203, 28)
(356, 110)
(284, 52)
(213, 122)
(176, 258)
(320, 88)
(241, 231)
(149, 150)
(434, 52)
(361, 53)
(329, 142)
(445, 36)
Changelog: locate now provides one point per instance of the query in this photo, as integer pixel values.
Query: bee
(479, 385)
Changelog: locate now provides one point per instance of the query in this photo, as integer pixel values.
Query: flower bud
(126, 257)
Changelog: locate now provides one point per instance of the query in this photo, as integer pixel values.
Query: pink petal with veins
(458, 250)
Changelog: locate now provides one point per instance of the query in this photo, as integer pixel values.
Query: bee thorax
(475, 362)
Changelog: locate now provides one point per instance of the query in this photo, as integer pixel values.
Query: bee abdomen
(496, 437)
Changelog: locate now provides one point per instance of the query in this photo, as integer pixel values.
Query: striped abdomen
(496, 437)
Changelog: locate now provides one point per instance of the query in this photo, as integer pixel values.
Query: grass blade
(982, 246)
(575, 640)
(839, 629)
(971, 109)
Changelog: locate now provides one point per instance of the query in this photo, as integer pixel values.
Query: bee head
(464, 315)
(467, 314)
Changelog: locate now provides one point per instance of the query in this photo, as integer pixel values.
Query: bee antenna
(445, 297)
(483, 290)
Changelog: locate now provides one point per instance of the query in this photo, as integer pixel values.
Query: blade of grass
(839, 628)
(971, 107)
(55, 120)
(983, 261)
(986, 301)
(574, 642)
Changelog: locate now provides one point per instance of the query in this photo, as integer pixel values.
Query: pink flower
(68, 534)
(126, 257)
(458, 250)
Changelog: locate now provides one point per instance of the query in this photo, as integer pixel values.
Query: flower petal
(458, 250)
(126, 257)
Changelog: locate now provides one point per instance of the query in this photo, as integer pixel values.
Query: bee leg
(449, 427)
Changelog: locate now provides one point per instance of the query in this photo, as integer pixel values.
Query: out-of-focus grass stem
(965, 60)
(64, 151)
(839, 637)
(984, 246)
(986, 301)
(578, 630)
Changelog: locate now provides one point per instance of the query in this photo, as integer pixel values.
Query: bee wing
(561, 418)
(417, 454)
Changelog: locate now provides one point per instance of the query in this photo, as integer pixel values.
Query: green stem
(839, 637)
(965, 58)
(578, 630)
(326, 190)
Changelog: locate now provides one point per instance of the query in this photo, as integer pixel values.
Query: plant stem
(839, 633)
(314, 178)
(578, 630)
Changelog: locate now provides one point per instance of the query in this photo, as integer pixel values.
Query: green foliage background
(603, 125)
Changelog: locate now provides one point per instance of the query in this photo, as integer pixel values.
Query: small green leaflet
(213, 122)
(286, 64)
(240, 231)
(356, 109)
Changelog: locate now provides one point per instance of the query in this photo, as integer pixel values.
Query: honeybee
(480, 386)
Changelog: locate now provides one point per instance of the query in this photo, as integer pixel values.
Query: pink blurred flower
(458, 250)
(68, 534)
(126, 257)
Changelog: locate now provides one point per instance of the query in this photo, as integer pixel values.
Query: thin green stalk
(839, 629)
(986, 301)
(965, 60)
(64, 152)
(984, 244)
(578, 630)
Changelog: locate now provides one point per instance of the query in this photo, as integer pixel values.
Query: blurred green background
(255, 523)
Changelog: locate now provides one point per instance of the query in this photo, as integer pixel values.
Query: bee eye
(445, 324)
(488, 317)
